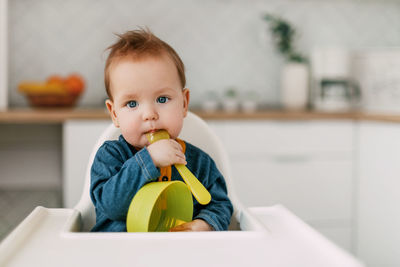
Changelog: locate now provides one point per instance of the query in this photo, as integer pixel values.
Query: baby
(145, 83)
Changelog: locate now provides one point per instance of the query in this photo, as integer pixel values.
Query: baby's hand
(195, 225)
(166, 152)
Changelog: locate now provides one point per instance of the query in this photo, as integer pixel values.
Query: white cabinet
(378, 214)
(305, 165)
(342, 177)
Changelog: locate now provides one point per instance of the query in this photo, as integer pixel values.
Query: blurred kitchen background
(225, 45)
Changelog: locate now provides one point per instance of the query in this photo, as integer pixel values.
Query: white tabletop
(46, 238)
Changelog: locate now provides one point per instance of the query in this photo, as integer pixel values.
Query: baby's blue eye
(132, 104)
(162, 99)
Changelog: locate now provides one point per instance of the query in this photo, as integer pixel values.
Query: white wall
(222, 42)
(3, 55)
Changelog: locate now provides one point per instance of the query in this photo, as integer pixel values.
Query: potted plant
(250, 101)
(230, 101)
(210, 101)
(294, 77)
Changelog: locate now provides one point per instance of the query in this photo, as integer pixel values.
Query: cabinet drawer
(265, 137)
(313, 190)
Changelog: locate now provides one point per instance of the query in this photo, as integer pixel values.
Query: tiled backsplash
(222, 42)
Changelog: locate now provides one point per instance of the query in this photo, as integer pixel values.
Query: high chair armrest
(41, 222)
(298, 235)
(49, 237)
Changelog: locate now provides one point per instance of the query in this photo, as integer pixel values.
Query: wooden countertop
(59, 115)
(51, 115)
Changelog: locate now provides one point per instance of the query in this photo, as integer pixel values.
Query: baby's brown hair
(138, 44)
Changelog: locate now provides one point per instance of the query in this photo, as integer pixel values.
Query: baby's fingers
(166, 153)
(180, 158)
(180, 228)
(176, 145)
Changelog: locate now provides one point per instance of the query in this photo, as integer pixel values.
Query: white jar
(294, 86)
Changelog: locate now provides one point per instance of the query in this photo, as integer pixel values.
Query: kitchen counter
(51, 115)
(59, 115)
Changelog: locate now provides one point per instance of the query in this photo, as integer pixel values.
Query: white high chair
(196, 132)
(268, 236)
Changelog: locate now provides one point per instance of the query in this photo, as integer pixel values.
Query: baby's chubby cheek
(135, 139)
(175, 130)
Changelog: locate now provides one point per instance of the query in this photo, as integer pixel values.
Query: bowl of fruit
(56, 91)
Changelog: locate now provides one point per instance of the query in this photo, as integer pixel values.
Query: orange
(55, 79)
(74, 84)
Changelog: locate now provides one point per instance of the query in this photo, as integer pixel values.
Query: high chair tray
(49, 237)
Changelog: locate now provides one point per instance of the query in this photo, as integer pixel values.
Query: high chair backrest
(195, 131)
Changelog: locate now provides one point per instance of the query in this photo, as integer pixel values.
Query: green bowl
(159, 206)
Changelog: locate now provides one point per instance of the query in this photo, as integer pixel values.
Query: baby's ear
(186, 98)
(111, 110)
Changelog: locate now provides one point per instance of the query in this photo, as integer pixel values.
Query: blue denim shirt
(119, 171)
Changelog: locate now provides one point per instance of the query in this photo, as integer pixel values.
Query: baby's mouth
(156, 135)
(151, 131)
(149, 134)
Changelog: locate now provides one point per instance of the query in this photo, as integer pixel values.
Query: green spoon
(198, 190)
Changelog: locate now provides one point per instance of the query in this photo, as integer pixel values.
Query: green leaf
(283, 35)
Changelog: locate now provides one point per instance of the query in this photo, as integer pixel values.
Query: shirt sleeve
(219, 211)
(116, 176)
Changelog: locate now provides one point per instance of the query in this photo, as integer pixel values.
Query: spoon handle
(198, 190)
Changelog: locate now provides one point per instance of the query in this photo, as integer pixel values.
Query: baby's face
(147, 96)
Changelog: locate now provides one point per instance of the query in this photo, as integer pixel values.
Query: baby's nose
(149, 113)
